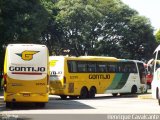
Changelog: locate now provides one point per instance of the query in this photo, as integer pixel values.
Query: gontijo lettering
(28, 69)
(99, 76)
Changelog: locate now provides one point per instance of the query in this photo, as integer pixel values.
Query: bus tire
(41, 104)
(73, 97)
(92, 92)
(83, 93)
(134, 89)
(114, 94)
(8, 104)
(158, 96)
(63, 97)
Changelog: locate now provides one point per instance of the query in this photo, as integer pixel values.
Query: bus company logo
(53, 63)
(27, 54)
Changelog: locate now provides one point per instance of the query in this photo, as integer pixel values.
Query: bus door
(142, 74)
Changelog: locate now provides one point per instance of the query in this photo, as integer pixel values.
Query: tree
(158, 36)
(125, 31)
(139, 39)
(21, 21)
(98, 27)
(79, 22)
(114, 27)
(53, 35)
(92, 27)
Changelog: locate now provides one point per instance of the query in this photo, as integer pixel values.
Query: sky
(148, 8)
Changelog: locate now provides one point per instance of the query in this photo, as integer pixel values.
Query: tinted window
(72, 66)
(91, 67)
(81, 66)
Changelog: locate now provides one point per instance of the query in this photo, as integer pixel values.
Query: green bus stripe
(119, 81)
(122, 81)
(115, 81)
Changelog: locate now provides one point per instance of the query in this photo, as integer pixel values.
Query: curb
(147, 96)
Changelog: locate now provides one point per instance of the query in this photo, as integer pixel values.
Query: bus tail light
(5, 82)
(64, 80)
(47, 79)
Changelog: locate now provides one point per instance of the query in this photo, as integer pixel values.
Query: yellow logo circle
(27, 55)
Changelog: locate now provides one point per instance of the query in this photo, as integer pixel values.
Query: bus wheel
(114, 94)
(41, 104)
(134, 89)
(92, 92)
(73, 97)
(63, 97)
(8, 104)
(84, 93)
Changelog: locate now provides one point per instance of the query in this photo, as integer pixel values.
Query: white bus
(132, 77)
(26, 74)
(156, 75)
(86, 76)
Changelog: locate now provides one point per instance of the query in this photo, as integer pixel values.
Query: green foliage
(92, 27)
(125, 31)
(158, 36)
(140, 33)
(79, 23)
(52, 36)
(101, 27)
(23, 21)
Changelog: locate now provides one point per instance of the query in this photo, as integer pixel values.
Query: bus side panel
(101, 81)
(156, 83)
(156, 75)
(106, 83)
(125, 80)
(119, 83)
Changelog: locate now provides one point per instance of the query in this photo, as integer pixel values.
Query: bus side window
(91, 67)
(133, 68)
(82, 67)
(72, 66)
(127, 69)
(69, 66)
(112, 67)
(101, 67)
(157, 65)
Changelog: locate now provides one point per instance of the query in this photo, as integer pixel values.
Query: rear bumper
(26, 97)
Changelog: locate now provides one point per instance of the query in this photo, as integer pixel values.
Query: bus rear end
(26, 74)
(57, 78)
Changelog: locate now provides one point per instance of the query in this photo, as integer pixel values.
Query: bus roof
(97, 57)
(10, 45)
(129, 60)
(85, 57)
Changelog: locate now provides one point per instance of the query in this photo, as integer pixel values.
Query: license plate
(26, 94)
